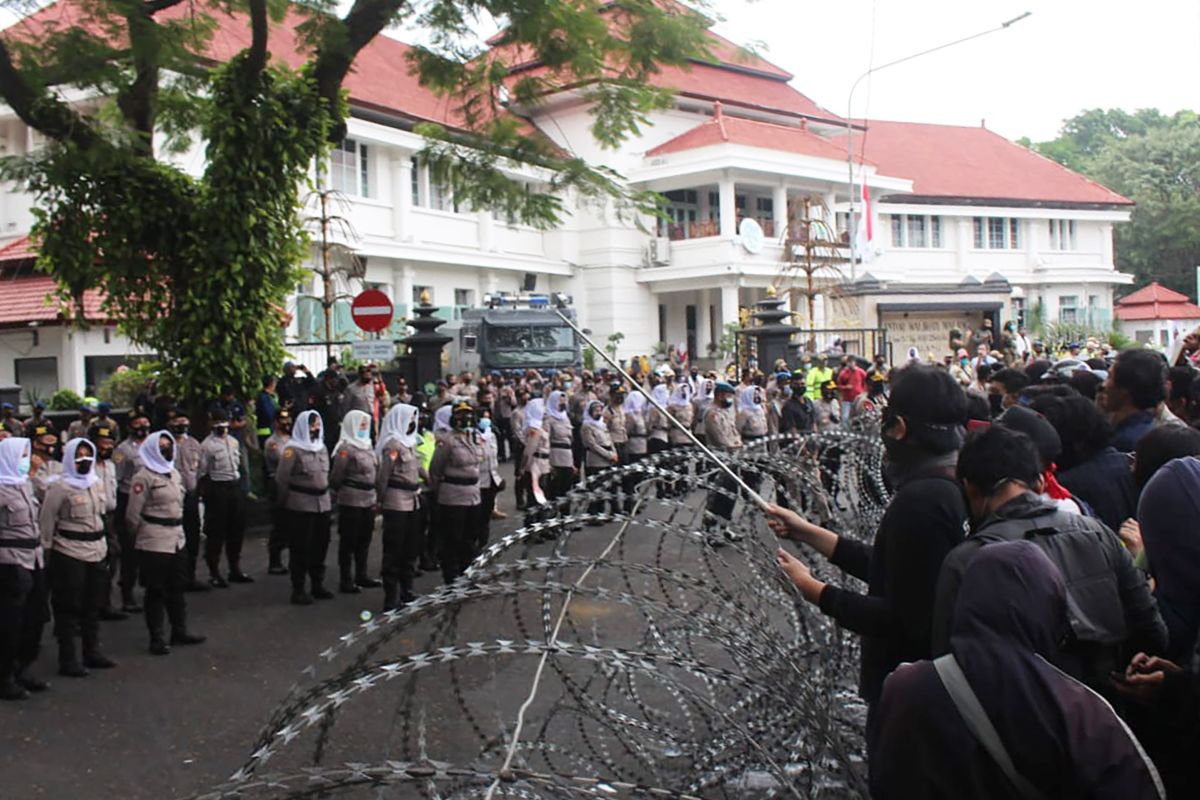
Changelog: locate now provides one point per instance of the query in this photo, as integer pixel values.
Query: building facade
(965, 223)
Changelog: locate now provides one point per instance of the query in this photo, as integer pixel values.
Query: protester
(1135, 389)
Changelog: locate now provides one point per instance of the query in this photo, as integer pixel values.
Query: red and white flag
(864, 239)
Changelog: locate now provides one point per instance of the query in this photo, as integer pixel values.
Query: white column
(70, 361)
(1106, 244)
(963, 242)
(703, 322)
(402, 281)
(779, 209)
(485, 230)
(728, 206)
(729, 305)
(1032, 230)
(402, 227)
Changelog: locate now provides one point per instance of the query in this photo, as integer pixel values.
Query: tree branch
(41, 110)
(259, 27)
(138, 102)
(152, 7)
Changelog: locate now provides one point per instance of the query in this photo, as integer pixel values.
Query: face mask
(140, 433)
(83, 466)
(485, 424)
(412, 428)
(221, 430)
(24, 465)
(562, 406)
(363, 434)
(314, 433)
(727, 402)
(462, 424)
(168, 453)
(179, 430)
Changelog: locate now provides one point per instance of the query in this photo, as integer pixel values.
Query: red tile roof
(1156, 302)
(380, 77)
(18, 250)
(952, 162)
(751, 133)
(28, 298)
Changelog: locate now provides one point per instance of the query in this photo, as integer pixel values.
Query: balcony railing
(677, 231)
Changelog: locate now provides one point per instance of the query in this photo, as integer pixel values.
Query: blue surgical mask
(363, 433)
(25, 464)
(485, 424)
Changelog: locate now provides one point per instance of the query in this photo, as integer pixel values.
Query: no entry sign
(372, 311)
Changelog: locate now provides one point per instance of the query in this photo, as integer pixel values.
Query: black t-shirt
(926, 519)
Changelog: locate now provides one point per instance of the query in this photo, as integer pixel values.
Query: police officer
(490, 482)
(397, 484)
(154, 518)
(224, 502)
(272, 452)
(128, 460)
(44, 467)
(721, 431)
(73, 530)
(600, 453)
(79, 428)
(302, 489)
(102, 437)
(102, 418)
(187, 461)
(22, 585)
(9, 421)
(633, 409)
(454, 475)
(426, 446)
(353, 479)
(614, 413)
(562, 463)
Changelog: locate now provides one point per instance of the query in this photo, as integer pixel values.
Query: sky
(1069, 55)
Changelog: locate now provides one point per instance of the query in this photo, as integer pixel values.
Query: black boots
(237, 576)
(68, 662)
(185, 638)
(28, 682)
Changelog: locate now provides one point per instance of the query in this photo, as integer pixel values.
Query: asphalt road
(164, 727)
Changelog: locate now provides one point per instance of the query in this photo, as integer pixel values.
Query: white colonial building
(966, 223)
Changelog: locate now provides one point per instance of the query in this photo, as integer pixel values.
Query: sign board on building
(927, 331)
(372, 311)
(377, 350)
(752, 235)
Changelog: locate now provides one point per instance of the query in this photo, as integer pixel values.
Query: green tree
(198, 268)
(1154, 160)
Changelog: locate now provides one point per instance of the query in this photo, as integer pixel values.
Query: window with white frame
(417, 291)
(416, 181)
(1068, 309)
(464, 297)
(997, 233)
(1062, 234)
(350, 168)
(916, 230)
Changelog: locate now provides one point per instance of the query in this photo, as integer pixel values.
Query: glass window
(464, 297)
(1014, 233)
(897, 230)
(416, 182)
(996, 230)
(979, 233)
(916, 231)
(935, 231)
(349, 169)
(1068, 309)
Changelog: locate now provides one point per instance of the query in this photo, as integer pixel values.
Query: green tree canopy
(1154, 160)
(198, 268)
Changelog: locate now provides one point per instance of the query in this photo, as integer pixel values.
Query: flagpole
(853, 226)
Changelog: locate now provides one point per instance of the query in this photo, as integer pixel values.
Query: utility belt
(460, 481)
(637, 436)
(164, 521)
(232, 483)
(541, 455)
(307, 490)
(80, 536)
(750, 437)
(394, 483)
(363, 485)
(21, 544)
(560, 445)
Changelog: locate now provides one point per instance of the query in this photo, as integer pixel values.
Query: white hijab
(152, 458)
(661, 394)
(71, 477)
(552, 409)
(746, 399)
(635, 402)
(12, 450)
(441, 418)
(707, 388)
(679, 397)
(395, 426)
(535, 413)
(350, 425)
(588, 419)
(300, 436)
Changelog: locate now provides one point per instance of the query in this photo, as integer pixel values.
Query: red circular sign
(372, 311)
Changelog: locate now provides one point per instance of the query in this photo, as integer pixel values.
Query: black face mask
(314, 434)
(996, 403)
(168, 453)
(140, 433)
(179, 430)
(727, 402)
(83, 467)
(412, 428)
(221, 430)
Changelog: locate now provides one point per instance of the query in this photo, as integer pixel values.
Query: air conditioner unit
(660, 250)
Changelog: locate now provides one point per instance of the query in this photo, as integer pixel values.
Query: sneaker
(11, 690)
(344, 588)
(30, 683)
(159, 648)
(185, 638)
(72, 669)
(368, 583)
(498, 514)
(217, 582)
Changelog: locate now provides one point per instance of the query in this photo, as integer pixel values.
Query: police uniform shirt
(489, 468)
(684, 415)
(77, 430)
(220, 459)
(188, 452)
(13, 425)
(397, 479)
(598, 443)
(128, 459)
(302, 482)
(560, 442)
(353, 476)
(273, 451)
(720, 429)
(108, 476)
(537, 451)
(360, 397)
(155, 511)
(636, 430)
(20, 543)
(517, 422)
(752, 421)
(72, 521)
(454, 471)
(45, 471)
(616, 425)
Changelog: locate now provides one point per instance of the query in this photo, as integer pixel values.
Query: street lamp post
(850, 126)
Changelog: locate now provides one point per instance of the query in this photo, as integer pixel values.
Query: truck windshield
(533, 345)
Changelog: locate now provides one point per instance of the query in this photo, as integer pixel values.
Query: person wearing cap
(1114, 610)
(79, 428)
(45, 468)
(798, 415)
(272, 452)
(922, 429)
(819, 375)
(454, 477)
(73, 530)
(188, 454)
(9, 421)
(721, 433)
(266, 407)
(302, 492)
(219, 482)
(352, 478)
(103, 411)
(154, 517)
(22, 581)
(101, 437)
(127, 459)
(39, 418)
(828, 409)
(398, 486)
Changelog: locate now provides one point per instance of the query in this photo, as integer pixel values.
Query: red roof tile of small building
(22, 249)
(723, 129)
(1156, 301)
(29, 298)
(961, 162)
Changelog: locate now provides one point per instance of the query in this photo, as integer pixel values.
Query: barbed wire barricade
(633, 644)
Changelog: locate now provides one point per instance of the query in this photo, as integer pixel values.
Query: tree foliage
(1154, 160)
(198, 268)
